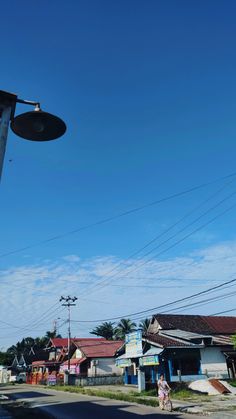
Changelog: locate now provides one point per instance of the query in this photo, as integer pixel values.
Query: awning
(153, 351)
(73, 362)
(124, 356)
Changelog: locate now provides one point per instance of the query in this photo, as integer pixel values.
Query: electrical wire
(202, 302)
(222, 312)
(122, 214)
(103, 283)
(161, 306)
(166, 231)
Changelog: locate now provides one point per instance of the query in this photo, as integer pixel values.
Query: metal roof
(183, 334)
(197, 323)
(153, 351)
(166, 341)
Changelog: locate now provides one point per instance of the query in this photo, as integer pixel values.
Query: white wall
(213, 362)
(78, 354)
(105, 366)
(3, 375)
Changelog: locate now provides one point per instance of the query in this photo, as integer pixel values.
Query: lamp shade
(38, 126)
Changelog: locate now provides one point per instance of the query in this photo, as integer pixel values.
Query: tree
(48, 335)
(124, 327)
(25, 345)
(6, 359)
(143, 325)
(17, 349)
(105, 330)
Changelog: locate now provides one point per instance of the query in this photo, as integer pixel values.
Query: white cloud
(106, 287)
(71, 258)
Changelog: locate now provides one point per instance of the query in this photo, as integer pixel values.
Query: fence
(95, 381)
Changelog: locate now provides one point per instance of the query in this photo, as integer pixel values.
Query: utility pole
(68, 302)
(55, 327)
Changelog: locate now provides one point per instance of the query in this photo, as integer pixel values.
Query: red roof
(59, 342)
(44, 363)
(98, 347)
(63, 342)
(221, 324)
(197, 324)
(74, 361)
(91, 347)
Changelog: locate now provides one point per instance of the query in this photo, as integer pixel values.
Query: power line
(42, 316)
(103, 283)
(161, 306)
(114, 217)
(202, 302)
(165, 232)
(222, 312)
(46, 315)
(23, 330)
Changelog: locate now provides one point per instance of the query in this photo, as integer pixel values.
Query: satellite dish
(38, 125)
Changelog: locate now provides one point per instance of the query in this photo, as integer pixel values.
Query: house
(89, 357)
(57, 349)
(94, 357)
(49, 364)
(23, 362)
(193, 346)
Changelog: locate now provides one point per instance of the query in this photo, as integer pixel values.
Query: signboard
(124, 362)
(52, 380)
(133, 344)
(149, 360)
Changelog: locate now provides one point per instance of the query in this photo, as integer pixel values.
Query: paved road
(73, 406)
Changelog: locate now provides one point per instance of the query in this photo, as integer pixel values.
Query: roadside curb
(190, 407)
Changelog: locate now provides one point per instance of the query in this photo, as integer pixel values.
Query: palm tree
(48, 335)
(143, 325)
(124, 327)
(17, 349)
(105, 330)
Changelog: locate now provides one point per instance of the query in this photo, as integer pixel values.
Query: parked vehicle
(19, 378)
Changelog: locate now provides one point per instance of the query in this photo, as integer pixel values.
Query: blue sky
(147, 89)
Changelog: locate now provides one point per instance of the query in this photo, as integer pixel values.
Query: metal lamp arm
(29, 102)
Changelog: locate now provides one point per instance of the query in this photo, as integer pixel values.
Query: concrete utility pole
(68, 302)
(54, 326)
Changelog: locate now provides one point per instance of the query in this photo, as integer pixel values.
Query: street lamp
(36, 125)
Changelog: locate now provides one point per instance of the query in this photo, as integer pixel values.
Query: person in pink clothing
(163, 390)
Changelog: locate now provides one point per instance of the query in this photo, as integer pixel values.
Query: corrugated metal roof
(190, 323)
(59, 342)
(98, 348)
(153, 351)
(197, 323)
(164, 341)
(74, 361)
(183, 334)
(222, 340)
(221, 324)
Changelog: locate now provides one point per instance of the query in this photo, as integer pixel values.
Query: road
(61, 405)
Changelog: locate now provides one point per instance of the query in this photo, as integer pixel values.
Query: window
(187, 366)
